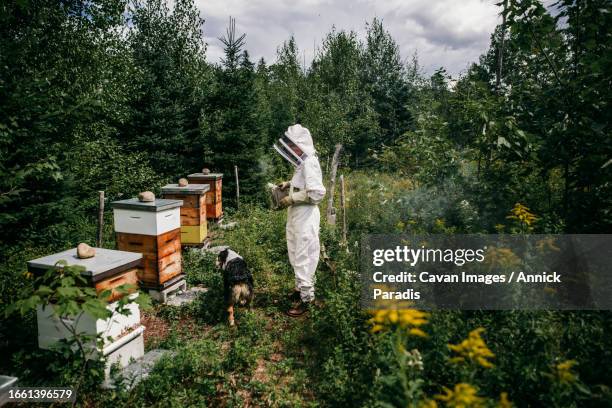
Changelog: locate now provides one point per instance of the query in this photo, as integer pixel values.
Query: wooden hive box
(193, 212)
(214, 206)
(153, 230)
(108, 269)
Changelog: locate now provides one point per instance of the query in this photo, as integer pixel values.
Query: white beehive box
(51, 328)
(124, 350)
(107, 270)
(147, 218)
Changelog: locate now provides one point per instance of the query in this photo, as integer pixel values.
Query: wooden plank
(210, 197)
(189, 200)
(169, 267)
(157, 252)
(128, 277)
(331, 213)
(190, 216)
(144, 244)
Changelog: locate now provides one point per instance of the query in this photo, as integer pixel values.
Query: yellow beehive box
(193, 234)
(193, 212)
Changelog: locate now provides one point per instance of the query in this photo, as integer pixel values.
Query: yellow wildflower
(504, 402)
(546, 245)
(408, 319)
(501, 258)
(473, 349)
(522, 214)
(462, 396)
(428, 403)
(28, 275)
(564, 371)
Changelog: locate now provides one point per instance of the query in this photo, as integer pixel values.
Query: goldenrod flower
(504, 402)
(473, 349)
(564, 373)
(428, 403)
(522, 214)
(501, 258)
(409, 319)
(462, 396)
(546, 245)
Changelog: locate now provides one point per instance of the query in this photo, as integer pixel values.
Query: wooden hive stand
(193, 212)
(152, 229)
(214, 206)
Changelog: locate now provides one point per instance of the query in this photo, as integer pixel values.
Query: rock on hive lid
(107, 262)
(188, 189)
(158, 205)
(207, 176)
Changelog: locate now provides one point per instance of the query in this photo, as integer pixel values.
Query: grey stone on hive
(84, 251)
(183, 182)
(146, 197)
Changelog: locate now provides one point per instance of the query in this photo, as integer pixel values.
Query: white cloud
(449, 33)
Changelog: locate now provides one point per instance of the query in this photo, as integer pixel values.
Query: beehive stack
(152, 229)
(108, 269)
(214, 206)
(193, 212)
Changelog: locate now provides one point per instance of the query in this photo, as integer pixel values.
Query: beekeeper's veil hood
(299, 136)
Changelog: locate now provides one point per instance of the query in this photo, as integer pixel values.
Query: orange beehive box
(162, 255)
(214, 207)
(161, 249)
(193, 212)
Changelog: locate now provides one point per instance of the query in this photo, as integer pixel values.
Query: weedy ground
(340, 355)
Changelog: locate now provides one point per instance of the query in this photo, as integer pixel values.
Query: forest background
(118, 96)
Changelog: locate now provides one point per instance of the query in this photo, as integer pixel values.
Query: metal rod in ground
(343, 205)
(237, 188)
(100, 218)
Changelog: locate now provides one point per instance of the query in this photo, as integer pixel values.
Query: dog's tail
(241, 294)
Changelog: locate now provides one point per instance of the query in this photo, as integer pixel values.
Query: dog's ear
(222, 257)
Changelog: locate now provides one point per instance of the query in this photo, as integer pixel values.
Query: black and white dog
(237, 281)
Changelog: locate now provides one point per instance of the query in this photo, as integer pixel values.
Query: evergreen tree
(238, 131)
(173, 84)
(384, 77)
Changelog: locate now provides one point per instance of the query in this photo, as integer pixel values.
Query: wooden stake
(331, 211)
(100, 218)
(237, 188)
(343, 205)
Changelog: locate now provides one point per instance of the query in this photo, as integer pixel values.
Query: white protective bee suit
(303, 216)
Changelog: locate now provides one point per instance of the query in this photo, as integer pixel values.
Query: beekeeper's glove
(300, 197)
(284, 185)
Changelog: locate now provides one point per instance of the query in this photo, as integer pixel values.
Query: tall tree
(384, 77)
(173, 84)
(238, 128)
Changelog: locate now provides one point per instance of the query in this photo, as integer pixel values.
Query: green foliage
(118, 96)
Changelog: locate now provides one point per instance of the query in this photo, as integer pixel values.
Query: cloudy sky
(449, 33)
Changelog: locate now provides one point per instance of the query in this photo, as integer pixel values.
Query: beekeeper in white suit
(306, 191)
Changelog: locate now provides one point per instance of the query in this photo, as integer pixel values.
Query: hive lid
(107, 262)
(188, 189)
(158, 205)
(208, 176)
